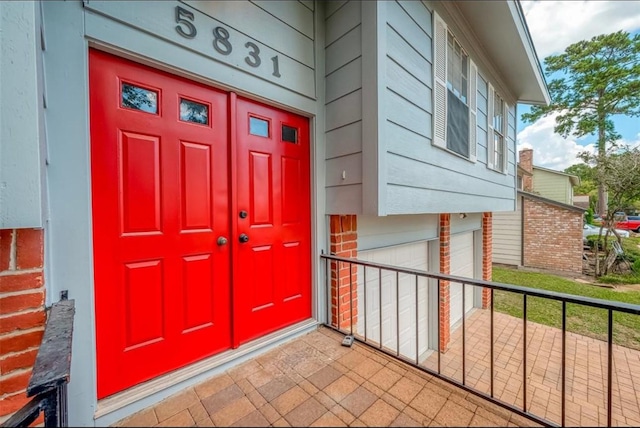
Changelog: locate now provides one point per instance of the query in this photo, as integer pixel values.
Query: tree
(599, 78)
(587, 179)
(619, 171)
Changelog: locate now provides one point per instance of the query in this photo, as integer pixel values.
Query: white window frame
(494, 149)
(440, 88)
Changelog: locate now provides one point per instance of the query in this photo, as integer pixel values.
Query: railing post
(564, 362)
(609, 367)
(524, 352)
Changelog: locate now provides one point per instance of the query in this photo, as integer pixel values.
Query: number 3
(186, 18)
(253, 59)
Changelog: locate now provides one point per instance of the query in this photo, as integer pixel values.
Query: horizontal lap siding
(279, 33)
(343, 107)
(420, 177)
(376, 232)
(552, 186)
(507, 237)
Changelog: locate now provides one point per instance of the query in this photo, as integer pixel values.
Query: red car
(629, 223)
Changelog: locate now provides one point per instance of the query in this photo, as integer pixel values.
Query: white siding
(507, 237)
(343, 90)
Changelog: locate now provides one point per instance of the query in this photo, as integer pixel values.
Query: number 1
(276, 67)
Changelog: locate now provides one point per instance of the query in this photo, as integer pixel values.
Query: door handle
(222, 240)
(243, 238)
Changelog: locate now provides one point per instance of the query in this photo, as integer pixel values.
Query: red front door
(173, 281)
(273, 271)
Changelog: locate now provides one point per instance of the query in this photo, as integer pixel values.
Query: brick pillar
(487, 255)
(445, 267)
(525, 160)
(344, 294)
(22, 314)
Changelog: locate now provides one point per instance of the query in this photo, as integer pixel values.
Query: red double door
(201, 220)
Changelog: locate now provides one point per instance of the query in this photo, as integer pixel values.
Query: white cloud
(554, 25)
(635, 143)
(550, 150)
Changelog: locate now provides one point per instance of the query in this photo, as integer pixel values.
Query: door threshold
(116, 407)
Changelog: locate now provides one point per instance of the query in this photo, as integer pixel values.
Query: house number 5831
(185, 20)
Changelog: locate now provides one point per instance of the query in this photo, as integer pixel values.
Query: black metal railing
(335, 263)
(51, 371)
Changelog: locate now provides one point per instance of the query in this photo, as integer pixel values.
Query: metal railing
(334, 263)
(51, 372)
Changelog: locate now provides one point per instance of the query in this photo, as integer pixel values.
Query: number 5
(186, 18)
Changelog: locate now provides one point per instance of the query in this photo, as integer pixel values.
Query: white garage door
(401, 306)
(461, 265)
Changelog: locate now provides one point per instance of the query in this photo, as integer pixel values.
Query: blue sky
(554, 25)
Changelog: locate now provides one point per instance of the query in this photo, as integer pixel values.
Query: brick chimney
(525, 160)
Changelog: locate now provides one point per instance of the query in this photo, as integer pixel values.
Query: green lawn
(581, 319)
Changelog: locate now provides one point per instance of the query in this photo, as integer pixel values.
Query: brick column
(445, 267)
(487, 256)
(344, 295)
(22, 314)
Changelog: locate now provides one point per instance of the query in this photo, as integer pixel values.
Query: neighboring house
(179, 167)
(545, 231)
(581, 201)
(555, 185)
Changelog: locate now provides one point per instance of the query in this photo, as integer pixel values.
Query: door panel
(159, 147)
(273, 268)
(462, 264)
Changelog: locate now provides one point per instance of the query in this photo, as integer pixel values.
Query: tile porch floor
(314, 381)
(586, 370)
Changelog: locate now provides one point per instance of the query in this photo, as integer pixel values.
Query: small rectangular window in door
(289, 134)
(138, 98)
(259, 127)
(191, 111)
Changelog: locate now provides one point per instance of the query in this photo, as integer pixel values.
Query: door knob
(222, 240)
(243, 214)
(243, 238)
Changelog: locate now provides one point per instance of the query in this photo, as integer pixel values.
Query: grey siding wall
(282, 36)
(377, 232)
(419, 177)
(22, 191)
(507, 237)
(343, 98)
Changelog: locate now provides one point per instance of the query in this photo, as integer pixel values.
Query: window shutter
(490, 136)
(440, 82)
(505, 148)
(473, 75)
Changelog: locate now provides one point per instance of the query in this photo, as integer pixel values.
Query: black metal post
(524, 352)
(564, 362)
(464, 336)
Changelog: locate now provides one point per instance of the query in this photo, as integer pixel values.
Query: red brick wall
(552, 237)
(487, 255)
(22, 314)
(445, 267)
(344, 284)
